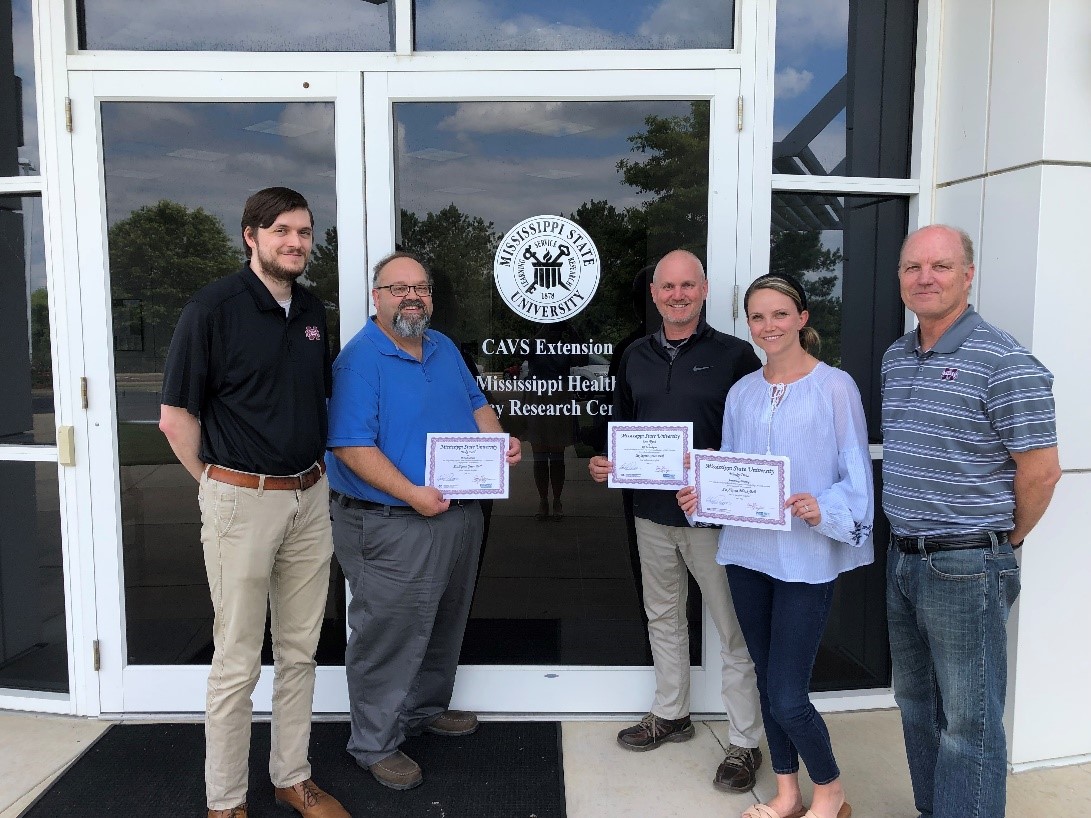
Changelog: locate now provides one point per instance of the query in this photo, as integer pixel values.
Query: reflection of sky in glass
(811, 56)
(506, 161)
(509, 25)
(214, 155)
(238, 25)
(23, 54)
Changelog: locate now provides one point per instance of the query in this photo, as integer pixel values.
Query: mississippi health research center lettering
(546, 270)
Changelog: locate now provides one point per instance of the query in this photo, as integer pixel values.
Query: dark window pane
(553, 589)
(508, 25)
(33, 635)
(26, 368)
(18, 113)
(237, 25)
(844, 87)
(845, 249)
(177, 175)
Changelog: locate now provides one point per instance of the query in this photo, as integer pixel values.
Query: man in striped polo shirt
(969, 466)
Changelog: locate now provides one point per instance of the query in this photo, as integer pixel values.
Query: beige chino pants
(667, 553)
(264, 550)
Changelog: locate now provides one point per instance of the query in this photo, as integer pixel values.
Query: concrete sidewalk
(602, 780)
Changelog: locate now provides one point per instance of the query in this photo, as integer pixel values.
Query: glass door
(615, 165)
(166, 174)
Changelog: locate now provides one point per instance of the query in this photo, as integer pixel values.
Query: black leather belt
(347, 501)
(947, 542)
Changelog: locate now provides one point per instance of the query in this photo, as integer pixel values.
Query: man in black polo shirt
(244, 409)
(682, 372)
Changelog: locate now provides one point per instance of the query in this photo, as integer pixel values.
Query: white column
(1013, 167)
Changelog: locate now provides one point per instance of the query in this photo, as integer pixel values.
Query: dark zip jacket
(651, 387)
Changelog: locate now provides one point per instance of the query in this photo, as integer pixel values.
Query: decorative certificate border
(687, 432)
(778, 463)
(435, 438)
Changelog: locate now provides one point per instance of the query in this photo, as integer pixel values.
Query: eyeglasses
(400, 290)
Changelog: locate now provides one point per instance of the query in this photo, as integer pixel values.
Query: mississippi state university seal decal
(546, 269)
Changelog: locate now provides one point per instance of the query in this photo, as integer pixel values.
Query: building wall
(1013, 167)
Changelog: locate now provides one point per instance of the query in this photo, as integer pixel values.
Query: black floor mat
(504, 770)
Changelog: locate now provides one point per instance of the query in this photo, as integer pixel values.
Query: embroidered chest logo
(312, 334)
(949, 374)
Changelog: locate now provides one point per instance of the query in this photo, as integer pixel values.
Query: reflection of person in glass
(250, 359)
(783, 581)
(409, 555)
(549, 434)
(682, 372)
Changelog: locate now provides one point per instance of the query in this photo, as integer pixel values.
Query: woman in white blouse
(782, 581)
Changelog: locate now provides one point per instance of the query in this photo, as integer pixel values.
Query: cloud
(690, 24)
(805, 24)
(791, 82)
(342, 25)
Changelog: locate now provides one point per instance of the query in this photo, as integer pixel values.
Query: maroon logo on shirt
(313, 334)
(949, 374)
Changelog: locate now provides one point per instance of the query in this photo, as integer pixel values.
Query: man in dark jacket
(682, 372)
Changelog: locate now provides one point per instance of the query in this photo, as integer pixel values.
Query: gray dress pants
(412, 581)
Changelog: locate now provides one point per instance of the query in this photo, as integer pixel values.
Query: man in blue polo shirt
(409, 555)
(969, 466)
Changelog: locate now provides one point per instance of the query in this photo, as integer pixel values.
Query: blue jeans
(948, 614)
(783, 623)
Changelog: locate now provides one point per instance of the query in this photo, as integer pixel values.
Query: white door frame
(358, 97)
(569, 689)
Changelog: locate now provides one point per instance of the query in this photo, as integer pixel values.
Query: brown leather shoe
(309, 801)
(652, 732)
(234, 812)
(739, 769)
(397, 771)
(453, 723)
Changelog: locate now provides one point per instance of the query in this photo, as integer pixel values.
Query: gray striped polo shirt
(951, 417)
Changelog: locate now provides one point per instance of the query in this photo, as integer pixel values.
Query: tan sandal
(844, 812)
(765, 811)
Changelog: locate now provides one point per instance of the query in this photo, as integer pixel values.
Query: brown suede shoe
(453, 723)
(234, 812)
(309, 801)
(397, 771)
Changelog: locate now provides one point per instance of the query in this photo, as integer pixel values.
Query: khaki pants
(666, 552)
(264, 550)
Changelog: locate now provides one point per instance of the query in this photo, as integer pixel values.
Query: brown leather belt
(247, 480)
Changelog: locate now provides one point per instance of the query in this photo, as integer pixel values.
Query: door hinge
(740, 115)
(68, 114)
(96, 656)
(735, 304)
(83, 392)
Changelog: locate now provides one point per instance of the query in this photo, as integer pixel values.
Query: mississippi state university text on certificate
(648, 455)
(468, 466)
(742, 489)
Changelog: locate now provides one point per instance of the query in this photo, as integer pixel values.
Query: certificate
(467, 466)
(742, 489)
(649, 455)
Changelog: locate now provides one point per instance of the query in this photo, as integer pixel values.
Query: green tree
(41, 359)
(675, 170)
(159, 256)
(321, 278)
(458, 249)
(801, 254)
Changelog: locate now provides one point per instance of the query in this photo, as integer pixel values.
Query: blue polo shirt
(952, 416)
(384, 397)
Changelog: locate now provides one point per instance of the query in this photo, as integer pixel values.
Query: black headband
(795, 285)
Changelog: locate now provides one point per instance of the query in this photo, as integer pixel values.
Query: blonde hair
(809, 338)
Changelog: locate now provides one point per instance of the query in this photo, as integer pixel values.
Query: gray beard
(411, 327)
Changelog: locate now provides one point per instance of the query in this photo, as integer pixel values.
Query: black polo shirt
(257, 380)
